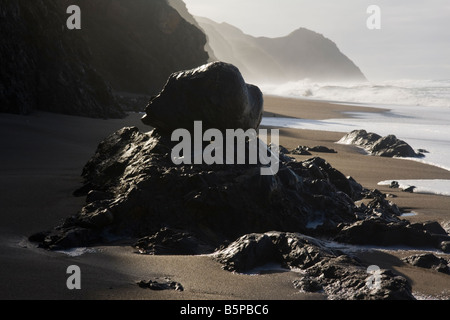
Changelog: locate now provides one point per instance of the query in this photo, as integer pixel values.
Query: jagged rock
(429, 261)
(281, 149)
(172, 242)
(215, 203)
(360, 138)
(373, 194)
(388, 146)
(282, 153)
(214, 93)
(379, 207)
(304, 150)
(308, 284)
(301, 151)
(330, 272)
(379, 231)
(66, 237)
(138, 190)
(434, 227)
(319, 169)
(158, 285)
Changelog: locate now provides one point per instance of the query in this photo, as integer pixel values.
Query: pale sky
(413, 42)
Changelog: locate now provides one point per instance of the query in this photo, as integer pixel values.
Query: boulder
(214, 93)
(390, 146)
(429, 261)
(336, 275)
(374, 144)
(304, 150)
(360, 138)
(381, 230)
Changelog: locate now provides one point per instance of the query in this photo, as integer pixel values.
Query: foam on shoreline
(427, 186)
(422, 127)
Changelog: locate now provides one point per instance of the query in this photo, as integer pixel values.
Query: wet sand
(40, 165)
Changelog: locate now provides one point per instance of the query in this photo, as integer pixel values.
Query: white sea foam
(429, 93)
(431, 186)
(419, 114)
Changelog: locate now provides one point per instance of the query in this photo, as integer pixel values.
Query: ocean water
(426, 93)
(419, 113)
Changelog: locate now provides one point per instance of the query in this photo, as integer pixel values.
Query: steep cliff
(47, 67)
(182, 9)
(301, 54)
(123, 46)
(137, 44)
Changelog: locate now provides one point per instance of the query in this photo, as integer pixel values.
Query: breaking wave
(427, 93)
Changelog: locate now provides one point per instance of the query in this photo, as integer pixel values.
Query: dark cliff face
(123, 45)
(47, 67)
(137, 44)
(182, 9)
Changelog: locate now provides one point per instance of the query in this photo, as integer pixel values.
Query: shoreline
(41, 167)
(313, 108)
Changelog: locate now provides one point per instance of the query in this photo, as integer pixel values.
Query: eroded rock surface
(429, 261)
(374, 144)
(327, 271)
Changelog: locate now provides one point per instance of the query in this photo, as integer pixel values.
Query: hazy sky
(414, 40)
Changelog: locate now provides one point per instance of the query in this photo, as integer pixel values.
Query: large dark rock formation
(123, 46)
(326, 271)
(374, 144)
(135, 191)
(299, 55)
(429, 261)
(215, 93)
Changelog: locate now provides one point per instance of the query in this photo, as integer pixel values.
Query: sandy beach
(41, 161)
